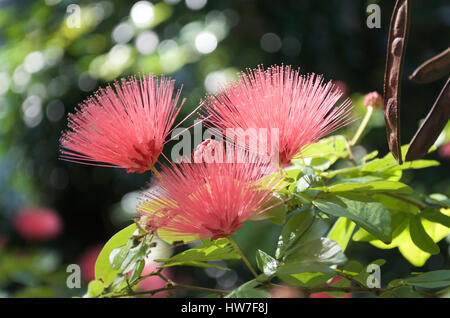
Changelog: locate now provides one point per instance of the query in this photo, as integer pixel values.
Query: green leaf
(292, 172)
(379, 164)
(439, 199)
(305, 279)
(372, 216)
(137, 271)
(293, 230)
(404, 243)
(266, 263)
(436, 216)
(318, 228)
(321, 164)
(416, 164)
(194, 264)
(95, 288)
(134, 255)
(406, 292)
(370, 156)
(103, 268)
(313, 256)
(342, 231)
(330, 146)
(219, 249)
(118, 255)
(171, 237)
(364, 274)
(377, 186)
(276, 214)
(396, 204)
(248, 290)
(434, 279)
(420, 237)
(307, 180)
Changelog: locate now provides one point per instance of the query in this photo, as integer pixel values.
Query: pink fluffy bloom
(123, 127)
(37, 223)
(300, 107)
(206, 151)
(207, 200)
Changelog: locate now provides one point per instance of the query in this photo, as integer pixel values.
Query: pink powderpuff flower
(208, 151)
(300, 107)
(123, 127)
(38, 223)
(207, 200)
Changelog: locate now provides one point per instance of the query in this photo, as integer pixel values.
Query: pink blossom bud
(373, 99)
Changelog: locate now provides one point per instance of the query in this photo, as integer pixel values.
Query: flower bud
(373, 99)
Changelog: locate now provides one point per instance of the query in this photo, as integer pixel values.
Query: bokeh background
(50, 61)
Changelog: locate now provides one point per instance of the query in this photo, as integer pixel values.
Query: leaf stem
(239, 251)
(412, 201)
(363, 125)
(172, 286)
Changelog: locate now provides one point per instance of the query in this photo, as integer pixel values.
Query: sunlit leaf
(371, 216)
(342, 231)
(103, 268)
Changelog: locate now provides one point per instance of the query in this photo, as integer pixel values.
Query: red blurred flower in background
(87, 262)
(38, 223)
(444, 150)
(325, 295)
(154, 282)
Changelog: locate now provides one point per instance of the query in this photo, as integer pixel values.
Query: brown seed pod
(433, 69)
(398, 33)
(432, 126)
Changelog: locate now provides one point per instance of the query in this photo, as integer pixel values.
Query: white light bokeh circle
(205, 42)
(147, 42)
(34, 62)
(270, 42)
(195, 4)
(142, 14)
(123, 33)
(32, 111)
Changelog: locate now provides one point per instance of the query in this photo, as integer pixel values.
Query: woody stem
(239, 251)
